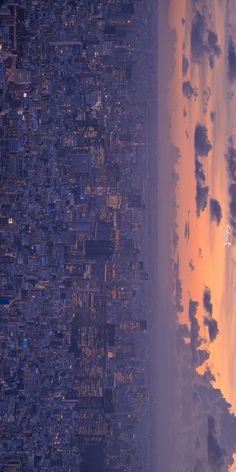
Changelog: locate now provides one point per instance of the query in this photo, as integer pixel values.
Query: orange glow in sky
(213, 261)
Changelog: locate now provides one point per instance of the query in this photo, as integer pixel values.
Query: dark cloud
(192, 310)
(216, 454)
(199, 172)
(185, 65)
(232, 205)
(194, 333)
(187, 230)
(207, 301)
(231, 166)
(213, 329)
(201, 198)
(201, 356)
(209, 320)
(188, 90)
(202, 147)
(191, 265)
(194, 330)
(213, 43)
(203, 40)
(202, 144)
(178, 288)
(231, 60)
(215, 210)
(208, 376)
(231, 163)
(183, 331)
(197, 36)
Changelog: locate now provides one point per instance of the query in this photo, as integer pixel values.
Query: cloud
(178, 288)
(216, 454)
(201, 198)
(194, 330)
(199, 172)
(197, 36)
(185, 65)
(199, 355)
(191, 265)
(231, 162)
(231, 166)
(209, 320)
(183, 331)
(213, 43)
(231, 60)
(187, 229)
(232, 205)
(192, 310)
(202, 144)
(203, 40)
(202, 147)
(188, 90)
(208, 376)
(213, 116)
(202, 356)
(207, 301)
(213, 329)
(215, 210)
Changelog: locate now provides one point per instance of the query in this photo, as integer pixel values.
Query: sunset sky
(212, 105)
(215, 269)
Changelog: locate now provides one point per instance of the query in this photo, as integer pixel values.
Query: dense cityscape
(74, 318)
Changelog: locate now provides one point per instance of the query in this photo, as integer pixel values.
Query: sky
(215, 267)
(201, 107)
